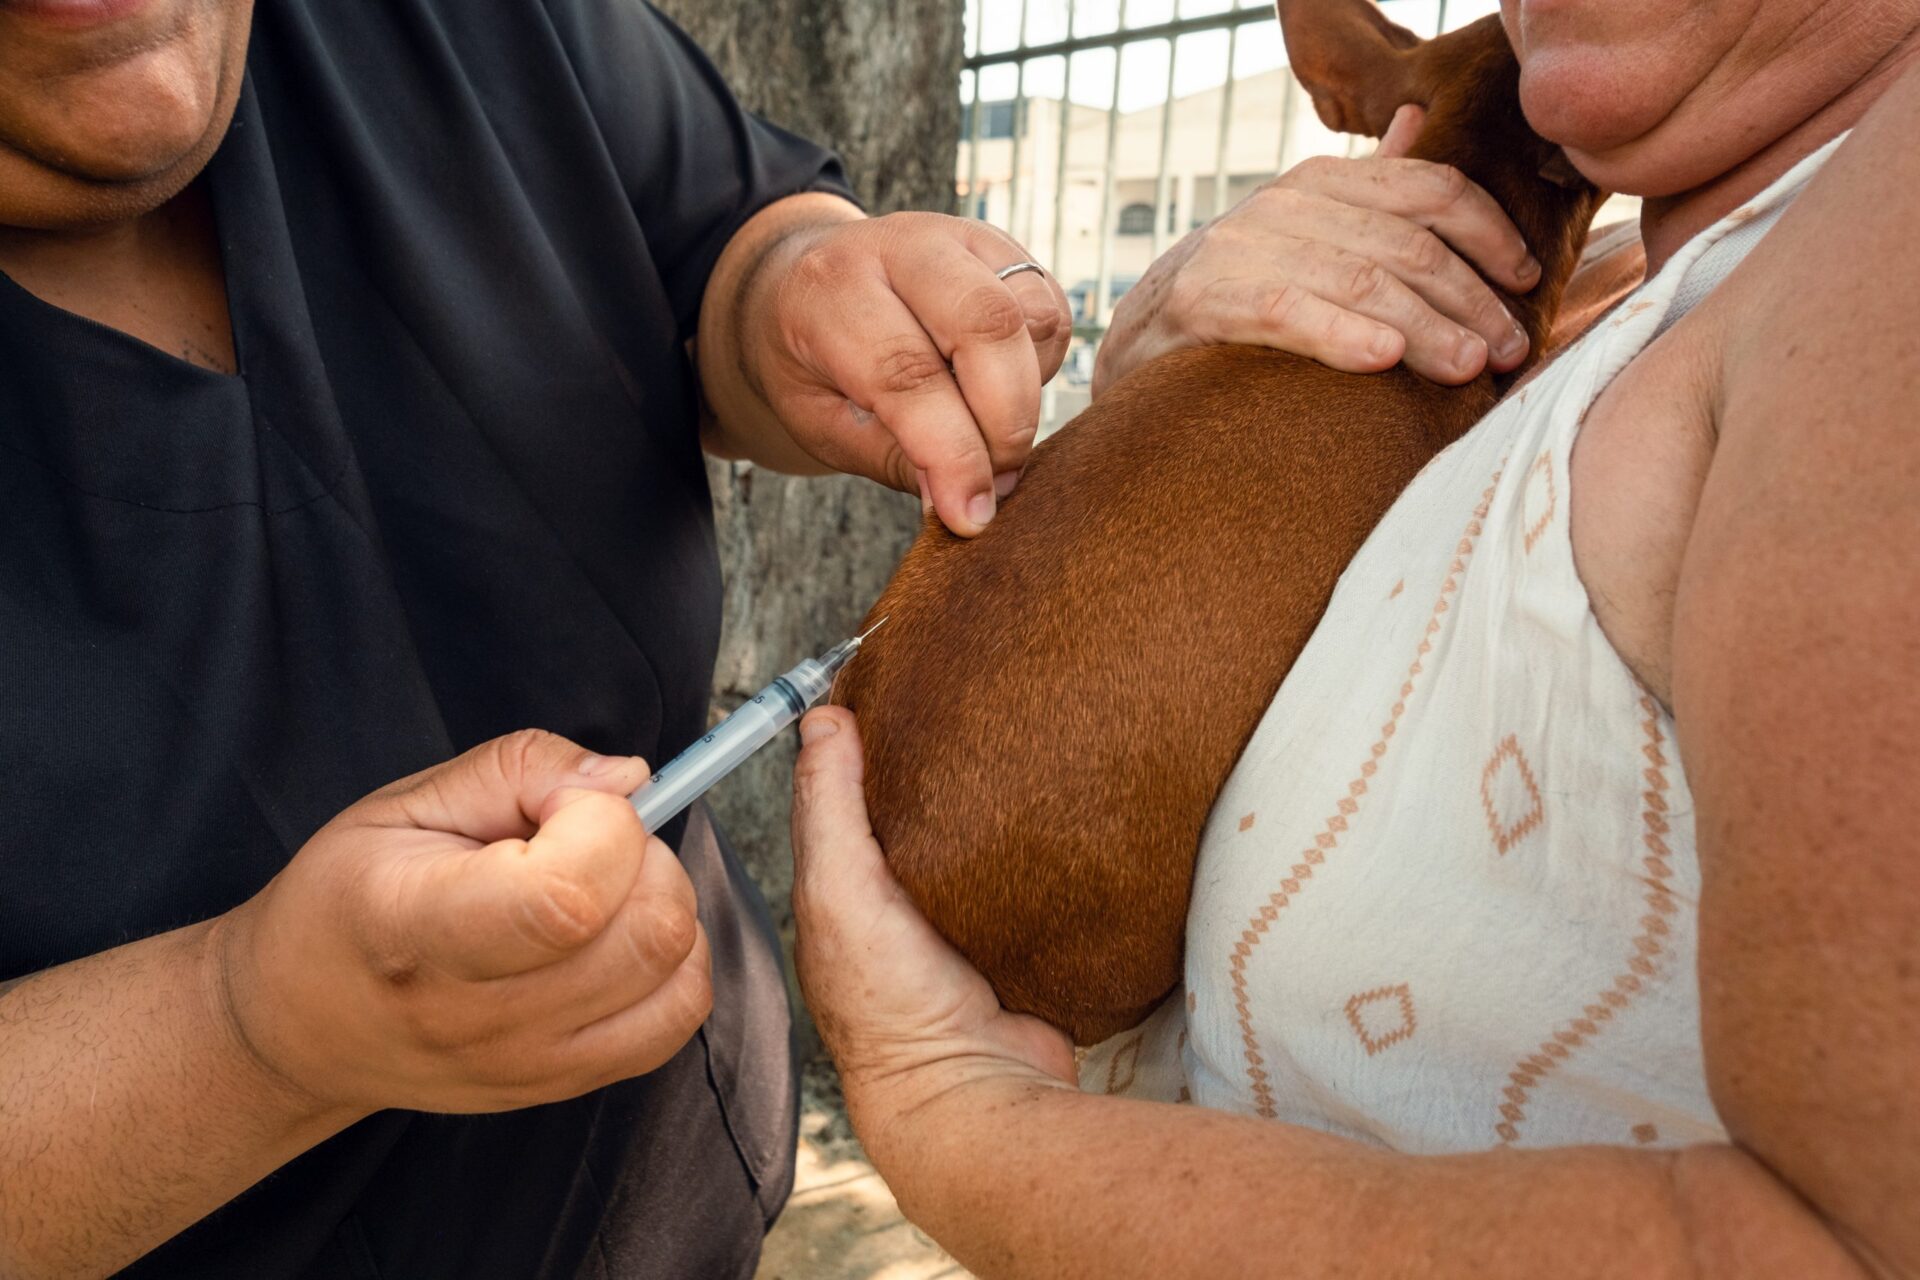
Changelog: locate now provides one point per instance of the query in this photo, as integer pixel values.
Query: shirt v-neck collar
(125, 421)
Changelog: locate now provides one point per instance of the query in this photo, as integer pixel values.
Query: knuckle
(1313, 170)
(1182, 299)
(1331, 333)
(1423, 252)
(990, 313)
(561, 913)
(521, 749)
(1282, 311)
(696, 996)
(905, 368)
(1488, 316)
(897, 469)
(814, 267)
(1447, 184)
(1272, 203)
(1366, 280)
(1048, 324)
(664, 933)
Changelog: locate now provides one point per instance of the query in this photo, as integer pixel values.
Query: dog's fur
(1054, 705)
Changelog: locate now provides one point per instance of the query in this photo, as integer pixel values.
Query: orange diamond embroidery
(1510, 795)
(1384, 1026)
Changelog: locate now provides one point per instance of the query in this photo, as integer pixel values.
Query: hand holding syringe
(726, 746)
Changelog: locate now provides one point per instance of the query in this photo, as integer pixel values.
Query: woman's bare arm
(1797, 700)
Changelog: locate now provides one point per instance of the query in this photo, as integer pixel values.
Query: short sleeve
(695, 164)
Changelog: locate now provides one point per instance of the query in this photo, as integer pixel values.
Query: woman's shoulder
(1826, 315)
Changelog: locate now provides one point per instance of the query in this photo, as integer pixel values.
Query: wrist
(917, 1121)
(736, 319)
(223, 970)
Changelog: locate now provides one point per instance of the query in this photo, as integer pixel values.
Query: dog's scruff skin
(1055, 704)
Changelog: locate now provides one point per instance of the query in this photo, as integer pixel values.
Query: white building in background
(1043, 212)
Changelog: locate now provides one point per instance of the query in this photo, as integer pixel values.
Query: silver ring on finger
(1007, 273)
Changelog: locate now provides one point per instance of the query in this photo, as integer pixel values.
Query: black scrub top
(456, 490)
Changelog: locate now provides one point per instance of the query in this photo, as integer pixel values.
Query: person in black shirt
(355, 361)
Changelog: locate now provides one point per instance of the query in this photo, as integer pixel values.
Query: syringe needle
(683, 779)
(861, 639)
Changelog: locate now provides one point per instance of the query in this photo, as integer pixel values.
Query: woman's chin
(1616, 129)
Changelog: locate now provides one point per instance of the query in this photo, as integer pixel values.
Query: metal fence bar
(1097, 308)
(1066, 134)
(1050, 398)
(1163, 193)
(973, 122)
(1123, 35)
(1226, 128)
(1019, 127)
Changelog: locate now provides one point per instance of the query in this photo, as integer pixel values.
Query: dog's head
(1360, 68)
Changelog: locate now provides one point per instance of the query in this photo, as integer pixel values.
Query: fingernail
(814, 728)
(1004, 482)
(1513, 346)
(591, 765)
(1470, 354)
(1383, 344)
(980, 508)
(1529, 269)
(926, 496)
(861, 417)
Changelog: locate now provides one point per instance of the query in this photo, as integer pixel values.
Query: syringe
(726, 746)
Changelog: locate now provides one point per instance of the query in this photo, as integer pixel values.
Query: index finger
(887, 365)
(1445, 202)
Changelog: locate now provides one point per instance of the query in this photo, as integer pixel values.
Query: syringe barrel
(686, 777)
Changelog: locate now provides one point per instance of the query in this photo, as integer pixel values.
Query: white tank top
(1448, 899)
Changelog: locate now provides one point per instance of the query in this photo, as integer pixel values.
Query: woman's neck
(1668, 222)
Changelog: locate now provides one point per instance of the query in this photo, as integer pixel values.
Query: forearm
(1022, 1179)
(740, 423)
(131, 1107)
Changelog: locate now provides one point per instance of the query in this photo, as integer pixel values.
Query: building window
(1136, 220)
(996, 120)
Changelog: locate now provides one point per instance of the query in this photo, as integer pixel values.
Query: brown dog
(1054, 705)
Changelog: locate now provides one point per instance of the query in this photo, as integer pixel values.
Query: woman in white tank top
(1486, 976)
(1449, 896)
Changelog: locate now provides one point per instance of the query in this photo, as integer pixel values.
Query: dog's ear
(1354, 63)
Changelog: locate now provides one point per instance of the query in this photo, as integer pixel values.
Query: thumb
(1403, 132)
(515, 905)
(501, 789)
(834, 851)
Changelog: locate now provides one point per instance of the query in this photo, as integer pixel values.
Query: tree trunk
(804, 558)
